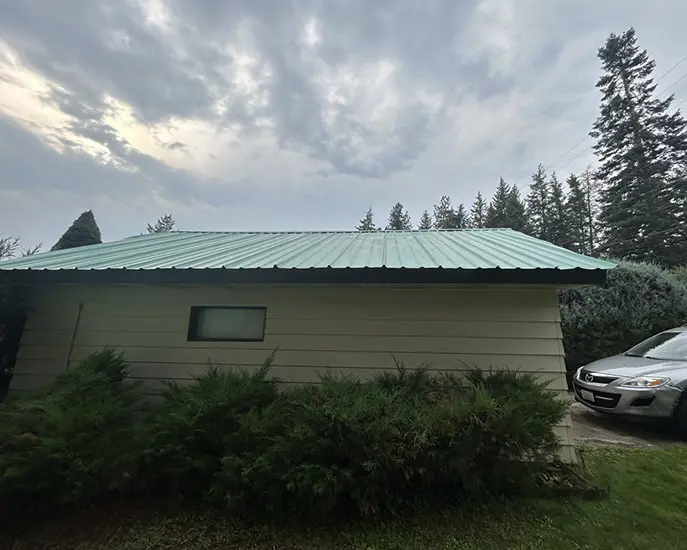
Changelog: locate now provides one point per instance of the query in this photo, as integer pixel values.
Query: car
(648, 381)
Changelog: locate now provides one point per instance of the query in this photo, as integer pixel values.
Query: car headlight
(646, 382)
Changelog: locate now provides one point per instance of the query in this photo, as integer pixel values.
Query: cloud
(256, 114)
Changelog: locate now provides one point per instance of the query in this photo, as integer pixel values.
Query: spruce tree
(162, 225)
(497, 209)
(425, 221)
(399, 219)
(576, 213)
(478, 212)
(461, 219)
(559, 231)
(641, 145)
(444, 215)
(367, 223)
(590, 188)
(538, 204)
(516, 215)
(84, 231)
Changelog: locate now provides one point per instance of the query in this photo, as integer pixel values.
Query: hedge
(239, 441)
(637, 301)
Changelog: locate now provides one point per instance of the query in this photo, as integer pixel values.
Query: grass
(646, 505)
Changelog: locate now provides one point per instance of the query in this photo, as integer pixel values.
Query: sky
(257, 115)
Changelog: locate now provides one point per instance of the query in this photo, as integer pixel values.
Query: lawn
(647, 506)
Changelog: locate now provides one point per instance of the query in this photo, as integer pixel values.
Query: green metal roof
(467, 249)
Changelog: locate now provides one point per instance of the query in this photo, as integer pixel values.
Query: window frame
(194, 317)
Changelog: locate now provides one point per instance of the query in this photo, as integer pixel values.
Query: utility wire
(671, 69)
(589, 137)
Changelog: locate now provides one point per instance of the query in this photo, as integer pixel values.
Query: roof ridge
(320, 231)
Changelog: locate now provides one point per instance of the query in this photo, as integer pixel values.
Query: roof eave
(367, 275)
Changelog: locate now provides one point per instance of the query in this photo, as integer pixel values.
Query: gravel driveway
(592, 428)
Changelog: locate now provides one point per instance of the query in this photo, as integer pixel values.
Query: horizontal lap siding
(354, 330)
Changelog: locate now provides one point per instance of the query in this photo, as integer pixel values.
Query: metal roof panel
(189, 250)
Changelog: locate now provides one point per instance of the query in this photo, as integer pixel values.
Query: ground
(646, 506)
(590, 428)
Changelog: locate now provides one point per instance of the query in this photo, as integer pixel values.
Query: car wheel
(681, 416)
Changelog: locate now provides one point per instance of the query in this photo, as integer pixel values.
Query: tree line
(561, 213)
(632, 206)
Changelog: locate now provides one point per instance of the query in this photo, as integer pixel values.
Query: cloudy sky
(295, 114)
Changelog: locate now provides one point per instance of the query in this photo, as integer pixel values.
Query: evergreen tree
(516, 215)
(163, 224)
(84, 231)
(367, 223)
(425, 221)
(399, 219)
(558, 229)
(461, 219)
(538, 204)
(478, 212)
(576, 212)
(497, 210)
(444, 215)
(641, 146)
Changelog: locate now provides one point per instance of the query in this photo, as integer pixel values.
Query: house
(327, 300)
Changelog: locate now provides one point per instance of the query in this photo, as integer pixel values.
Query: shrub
(681, 274)
(234, 438)
(196, 426)
(391, 444)
(72, 442)
(637, 301)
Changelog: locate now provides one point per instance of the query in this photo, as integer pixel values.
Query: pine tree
(641, 146)
(497, 215)
(444, 215)
(559, 231)
(399, 219)
(576, 212)
(162, 225)
(367, 223)
(478, 212)
(425, 221)
(538, 204)
(84, 231)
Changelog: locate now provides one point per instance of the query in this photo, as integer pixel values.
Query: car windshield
(669, 346)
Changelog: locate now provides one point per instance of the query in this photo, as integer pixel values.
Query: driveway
(592, 428)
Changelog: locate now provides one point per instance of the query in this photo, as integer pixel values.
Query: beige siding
(350, 329)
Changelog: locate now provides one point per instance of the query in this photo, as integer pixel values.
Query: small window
(227, 324)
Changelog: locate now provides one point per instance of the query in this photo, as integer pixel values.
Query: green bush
(196, 426)
(681, 274)
(236, 439)
(392, 444)
(637, 301)
(72, 442)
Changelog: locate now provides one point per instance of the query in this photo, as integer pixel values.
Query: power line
(658, 95)
(671, 69)
(568, 152)
(673, 84)
(575, 157)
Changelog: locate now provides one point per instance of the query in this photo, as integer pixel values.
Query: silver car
(649, 380)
